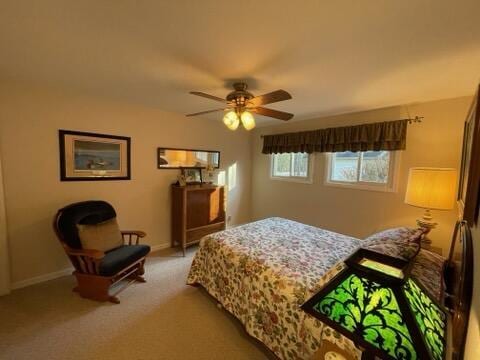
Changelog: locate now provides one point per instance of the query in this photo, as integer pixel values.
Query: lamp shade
(248, 120)
(431, 188)
(375, 302)
(231, 120)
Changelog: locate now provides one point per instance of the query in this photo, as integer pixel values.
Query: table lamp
(431, 189)
(376, 303)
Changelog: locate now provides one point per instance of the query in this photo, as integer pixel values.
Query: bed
(263, 271)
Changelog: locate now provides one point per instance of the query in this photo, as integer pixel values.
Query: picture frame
(469, 182)
(192, 175)
(86, 156)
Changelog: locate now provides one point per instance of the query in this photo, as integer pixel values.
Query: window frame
(298, 179)
(390, 186)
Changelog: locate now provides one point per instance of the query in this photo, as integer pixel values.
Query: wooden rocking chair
(96, 271)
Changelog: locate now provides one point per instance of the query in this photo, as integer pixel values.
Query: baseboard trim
(159, 247)
(41, 278)
(68, 271)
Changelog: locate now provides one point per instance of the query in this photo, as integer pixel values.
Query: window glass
(281, 164)
(363, 168)
(345, 166)
(290, 165)
(300, 164)
(375, 166)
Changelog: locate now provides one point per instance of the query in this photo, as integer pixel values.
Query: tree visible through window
(290, 165)
(361, 167)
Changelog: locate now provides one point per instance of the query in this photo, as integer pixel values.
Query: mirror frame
(185, 167)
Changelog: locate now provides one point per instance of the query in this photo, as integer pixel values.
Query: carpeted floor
(161, 319)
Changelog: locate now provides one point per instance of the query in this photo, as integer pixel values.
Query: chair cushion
(104, 236)
(119, 258)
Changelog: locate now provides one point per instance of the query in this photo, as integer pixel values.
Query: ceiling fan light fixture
(248, 120)
(239, 100)
(230, 119)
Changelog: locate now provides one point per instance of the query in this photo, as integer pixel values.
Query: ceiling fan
(240, 104)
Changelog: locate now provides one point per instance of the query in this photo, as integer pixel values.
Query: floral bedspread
(262, 272)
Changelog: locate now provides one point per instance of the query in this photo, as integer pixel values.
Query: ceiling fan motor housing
(240, 95)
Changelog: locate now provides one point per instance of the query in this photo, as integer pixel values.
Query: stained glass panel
(430, 319)
(371, 311)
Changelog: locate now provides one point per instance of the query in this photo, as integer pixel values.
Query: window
(292, 166)
(373, 170)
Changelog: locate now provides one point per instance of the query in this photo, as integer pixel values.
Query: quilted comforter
(263, 271)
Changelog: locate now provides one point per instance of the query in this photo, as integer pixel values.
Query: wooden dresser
(197, 210)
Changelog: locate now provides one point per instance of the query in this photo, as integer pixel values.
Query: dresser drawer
(197, 210)
(195, 234)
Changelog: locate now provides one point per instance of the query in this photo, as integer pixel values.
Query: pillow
(103, 236)
(428, 269)
(397, 234)
(399, 242)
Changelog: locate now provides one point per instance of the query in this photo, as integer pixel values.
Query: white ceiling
(332, 56)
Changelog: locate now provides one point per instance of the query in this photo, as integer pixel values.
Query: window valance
(390, 135)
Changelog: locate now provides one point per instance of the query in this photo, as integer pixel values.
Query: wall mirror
(168, 158)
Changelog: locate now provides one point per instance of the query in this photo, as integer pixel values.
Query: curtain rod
(416, 119)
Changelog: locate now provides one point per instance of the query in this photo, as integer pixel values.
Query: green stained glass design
(430, 319)
(371, 311)
(384, 268)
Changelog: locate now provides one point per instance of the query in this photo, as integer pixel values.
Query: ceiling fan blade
(208, 96)
(274, 96)
(206, 112)
(273, 113)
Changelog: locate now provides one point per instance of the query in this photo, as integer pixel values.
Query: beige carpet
(162, 319)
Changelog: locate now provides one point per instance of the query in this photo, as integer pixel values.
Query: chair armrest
(133, 236)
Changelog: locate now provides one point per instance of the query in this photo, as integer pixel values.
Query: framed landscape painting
(88, 156)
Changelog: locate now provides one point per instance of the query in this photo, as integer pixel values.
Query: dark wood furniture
(97, 271)
(197, 210)
(459, 286)
(469, 184)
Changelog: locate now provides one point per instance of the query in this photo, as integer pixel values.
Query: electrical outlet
(229, 218)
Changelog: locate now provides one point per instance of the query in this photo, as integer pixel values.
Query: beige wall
(435, 142)
(4, 256)
(29, 121)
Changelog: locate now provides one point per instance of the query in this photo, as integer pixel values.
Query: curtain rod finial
(416, 119)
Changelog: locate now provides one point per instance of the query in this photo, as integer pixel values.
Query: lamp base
(426, 223)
